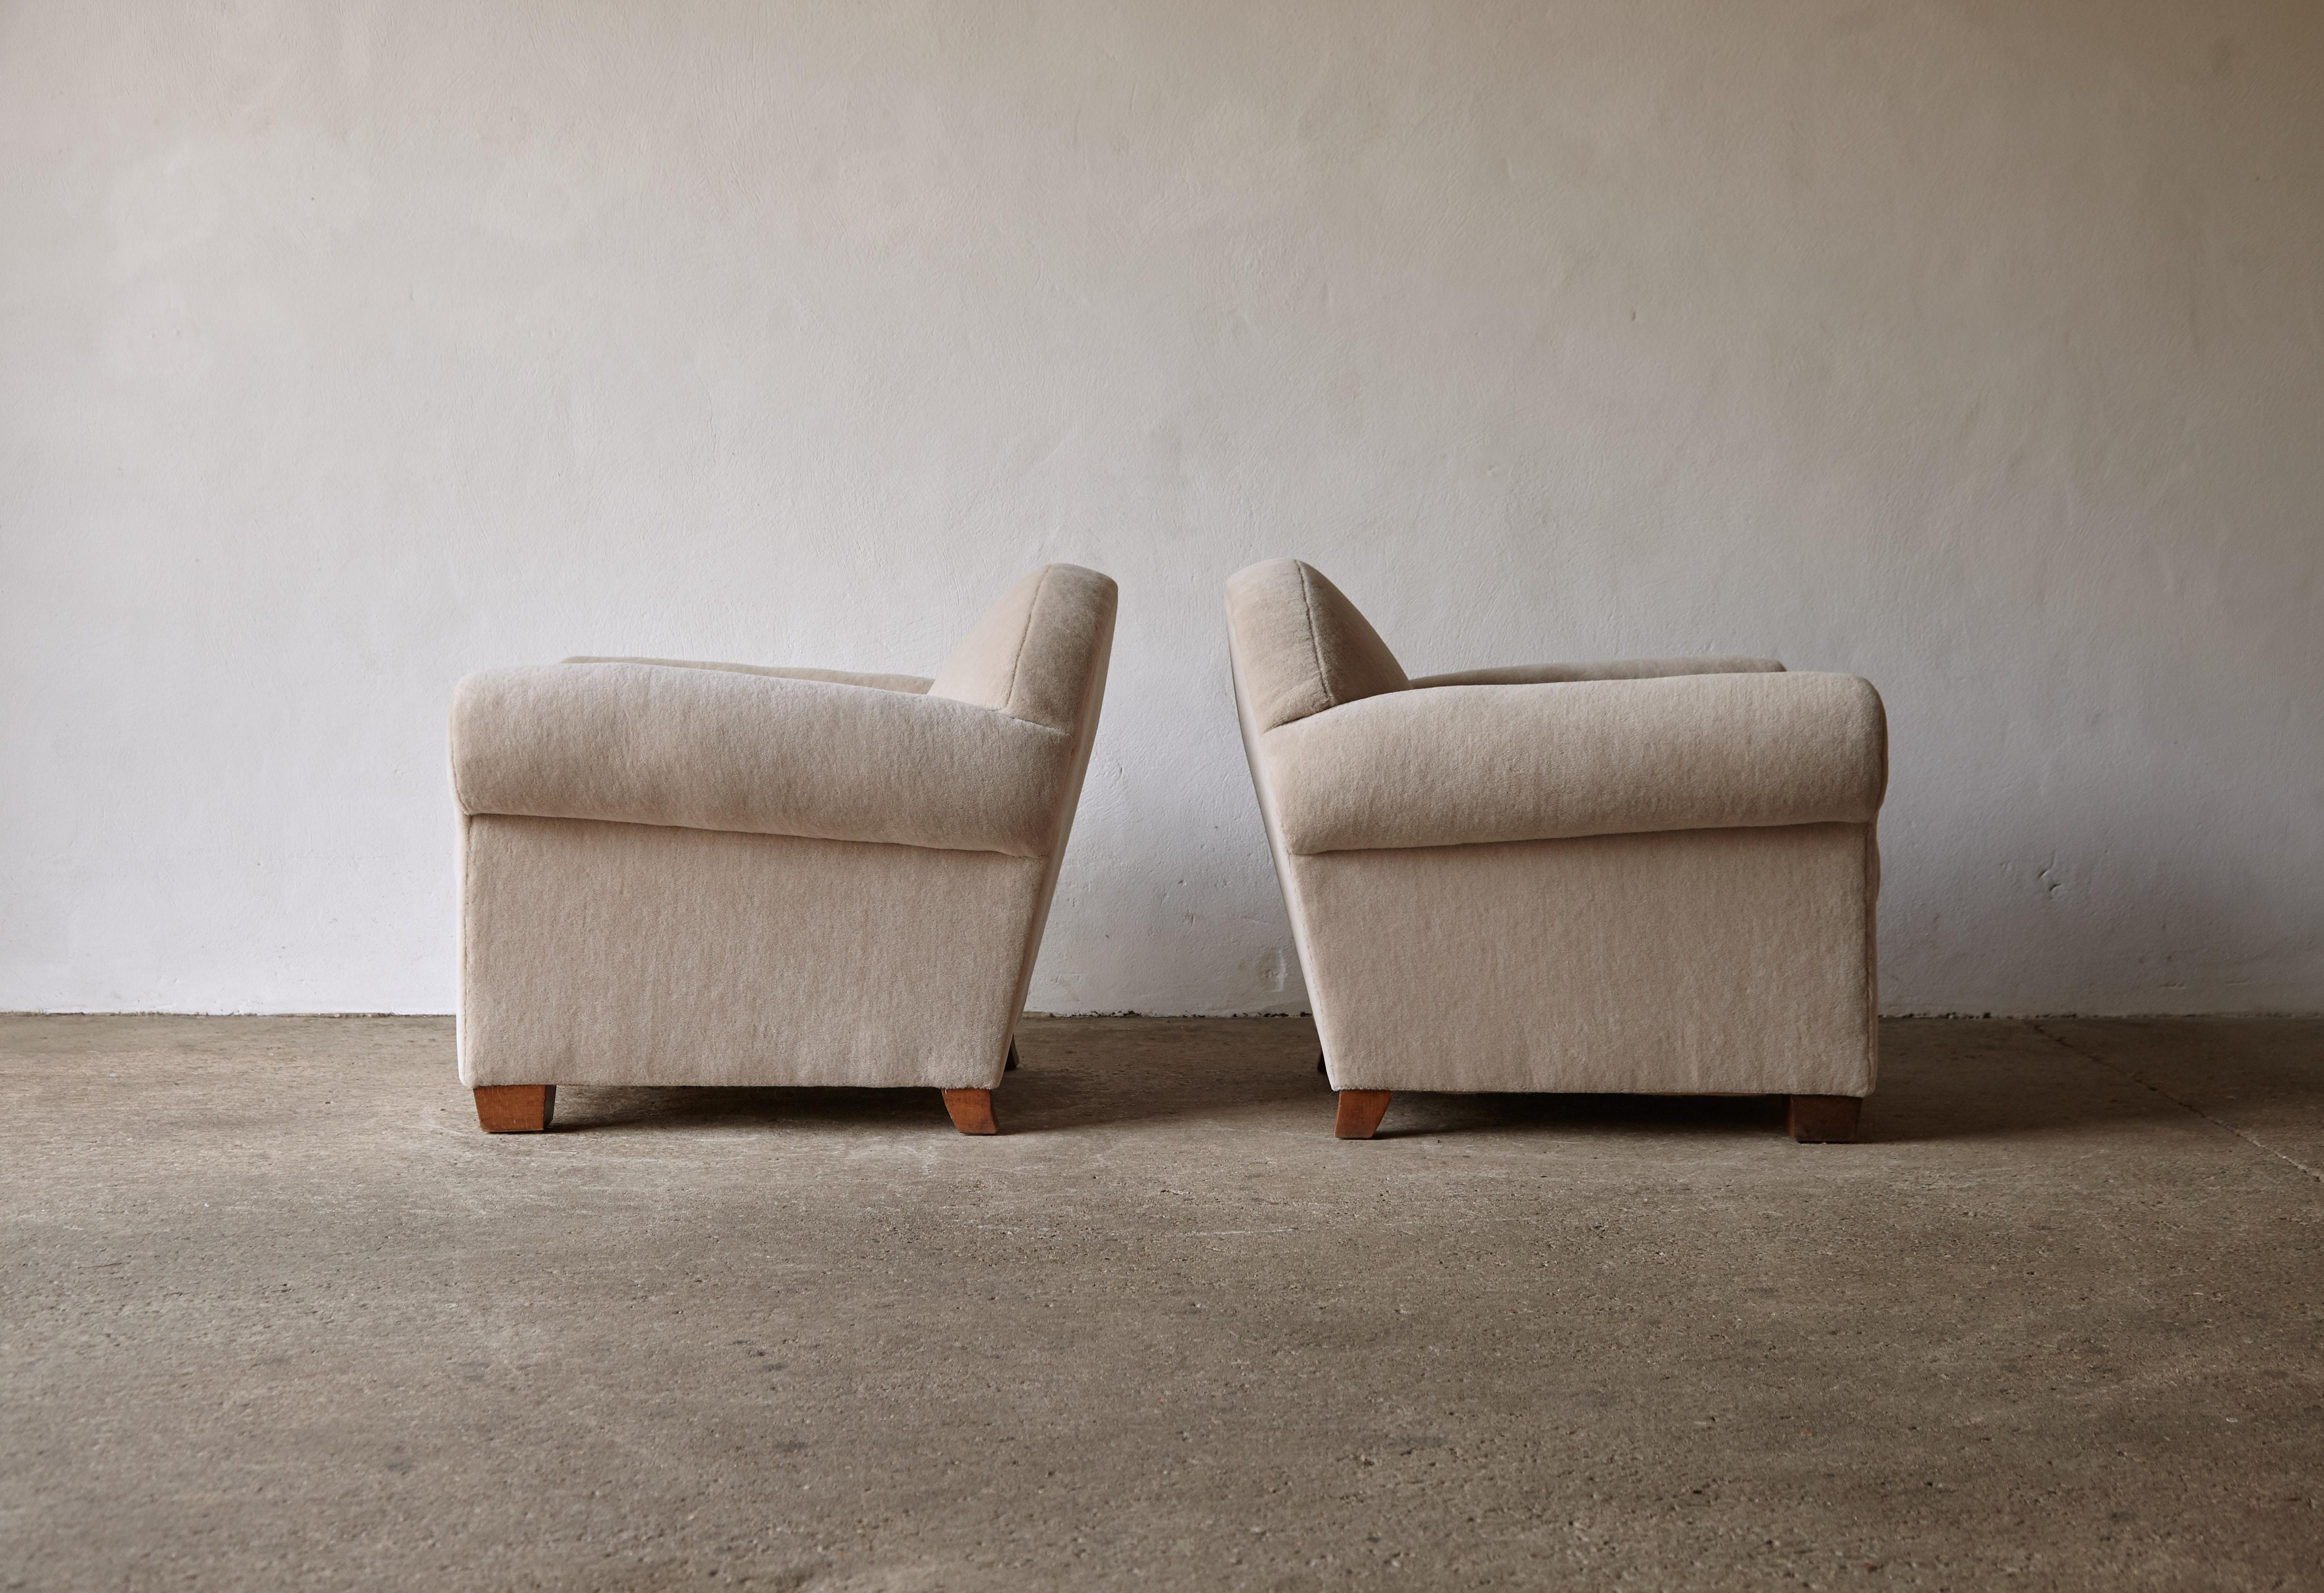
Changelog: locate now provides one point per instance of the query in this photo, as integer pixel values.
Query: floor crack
(2088, 1055)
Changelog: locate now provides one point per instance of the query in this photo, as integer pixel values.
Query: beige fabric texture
(717, 749)
(903, 683)
(599, 953)
(1651, 876)
(1300, 646)
(1097, 645)
(1029, 655)
(1606, 670)
(676, 873)
(1452, 765)
(1712, 961)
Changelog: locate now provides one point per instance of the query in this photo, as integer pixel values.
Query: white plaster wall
(1972, 346)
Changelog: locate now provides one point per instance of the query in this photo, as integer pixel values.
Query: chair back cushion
(1300, 646)
(1030, 657)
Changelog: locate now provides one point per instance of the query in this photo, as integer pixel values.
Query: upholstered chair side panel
(1067, 637)
(1303, 648)
(983, 668)
(1247, 717)
(1029, 655)
(1089, 618)
(596, 952)
(1692, 961)
(1872, 938)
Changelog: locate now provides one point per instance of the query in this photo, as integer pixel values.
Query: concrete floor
(275, 1315)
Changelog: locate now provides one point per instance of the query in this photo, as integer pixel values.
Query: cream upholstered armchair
(677, 873)
(1653, 877)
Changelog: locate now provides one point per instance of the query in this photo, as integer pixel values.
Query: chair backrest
(1300, 646)
(1035, 653)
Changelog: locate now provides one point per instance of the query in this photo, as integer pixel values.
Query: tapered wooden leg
(515, 1109)
(1011, 1066)
(1360, 1111)
(971, 1110)
(1824, 1120)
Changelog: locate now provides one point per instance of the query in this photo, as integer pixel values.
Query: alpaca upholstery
(680, 873)
(1654, 876)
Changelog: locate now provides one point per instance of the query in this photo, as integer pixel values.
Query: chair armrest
(1453, 766)
(1610, 670)
(723, 749)
(906, 683)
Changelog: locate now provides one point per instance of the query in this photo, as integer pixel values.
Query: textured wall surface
(1976, 347)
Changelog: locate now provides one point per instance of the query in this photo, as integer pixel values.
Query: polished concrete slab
(276, 1315)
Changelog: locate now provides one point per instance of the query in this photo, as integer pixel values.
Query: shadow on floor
(1414, 1114)
(1030, 1101)
(1944, 1081)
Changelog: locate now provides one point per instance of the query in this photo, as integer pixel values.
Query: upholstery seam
(1017, 659)
(452, 749)
(1872, 942)
(467, 943)
(1315, 645)
(550, 818)
(1552, 840)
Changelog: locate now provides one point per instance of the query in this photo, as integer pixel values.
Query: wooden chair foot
(515, 1109)
(1011, 1066)
(971, 1110)
(1360, 1111)
(1824, 1120)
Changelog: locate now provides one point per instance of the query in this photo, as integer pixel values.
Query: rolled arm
(1458, 765)
(722, 750)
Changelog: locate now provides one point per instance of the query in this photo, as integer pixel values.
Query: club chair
(677, 873)
(1652, 876)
